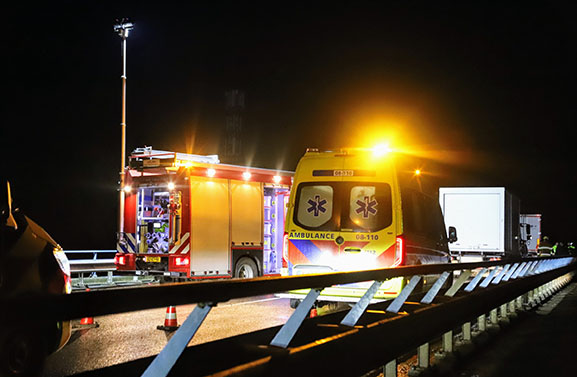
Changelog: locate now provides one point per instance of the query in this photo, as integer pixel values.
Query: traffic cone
(170, 321)
(87, 322)
(313, 313)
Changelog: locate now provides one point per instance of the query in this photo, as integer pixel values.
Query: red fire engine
(189, 216)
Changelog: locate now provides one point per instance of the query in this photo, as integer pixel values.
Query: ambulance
(189, 216)
(358, 209)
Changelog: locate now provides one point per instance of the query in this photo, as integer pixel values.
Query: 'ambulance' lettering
(312, 236)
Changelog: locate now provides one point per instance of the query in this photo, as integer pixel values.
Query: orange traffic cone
(87, 322)
(170, 321)
(313, 313)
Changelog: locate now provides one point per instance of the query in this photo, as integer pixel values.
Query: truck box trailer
(486, 219)
(189, 216)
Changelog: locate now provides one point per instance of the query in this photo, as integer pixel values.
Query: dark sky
(489, 86)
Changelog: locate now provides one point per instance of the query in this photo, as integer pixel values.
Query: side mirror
(452, 234)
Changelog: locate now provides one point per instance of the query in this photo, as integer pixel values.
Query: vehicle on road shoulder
(356, 209)
(191, 217)
(31, 262)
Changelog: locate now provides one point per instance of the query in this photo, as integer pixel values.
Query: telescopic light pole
(122, 28)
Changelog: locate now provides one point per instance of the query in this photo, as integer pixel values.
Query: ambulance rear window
(343, 206)
(315, 206)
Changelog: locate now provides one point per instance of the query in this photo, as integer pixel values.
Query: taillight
(120, 259)
(399, 252)
(181, 261)
(285, 250)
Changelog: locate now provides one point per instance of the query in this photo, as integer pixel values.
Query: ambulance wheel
(21, 352)
(245, 268)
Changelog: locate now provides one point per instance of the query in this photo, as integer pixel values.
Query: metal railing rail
(92, 264)
(496, 284)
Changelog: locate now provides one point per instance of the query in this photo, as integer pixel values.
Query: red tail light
(399, 252)
(120, 259)
(181, 261)
(285, 250)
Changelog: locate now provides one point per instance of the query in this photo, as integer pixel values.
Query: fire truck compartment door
(210, 219)
(247, 213)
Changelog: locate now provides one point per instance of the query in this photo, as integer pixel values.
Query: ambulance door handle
(352, 250)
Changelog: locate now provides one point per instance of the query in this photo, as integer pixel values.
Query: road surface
(128, 336)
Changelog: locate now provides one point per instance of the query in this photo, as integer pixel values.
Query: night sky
(489, 87)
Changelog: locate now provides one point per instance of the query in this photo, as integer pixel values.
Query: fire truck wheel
(21, 352)
(245, 268)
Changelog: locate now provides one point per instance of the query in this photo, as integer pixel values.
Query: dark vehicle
(31, 262)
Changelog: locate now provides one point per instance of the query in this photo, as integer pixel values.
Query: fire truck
(189, 216)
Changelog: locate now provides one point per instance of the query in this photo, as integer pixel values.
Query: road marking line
(251, 302)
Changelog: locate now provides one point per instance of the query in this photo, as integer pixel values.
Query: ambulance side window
(314, 207)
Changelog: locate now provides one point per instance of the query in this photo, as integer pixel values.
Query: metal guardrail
(341, 343)
(91, 266)
(87, 266)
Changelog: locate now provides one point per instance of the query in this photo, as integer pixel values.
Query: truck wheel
(21, 352)
(245, 268)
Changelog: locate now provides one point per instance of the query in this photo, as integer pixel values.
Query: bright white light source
(381, 150)
(171, 186)
(210, 172)
(127, 189)
(246, 175)
(276, 179)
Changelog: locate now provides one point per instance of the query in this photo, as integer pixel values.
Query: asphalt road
(128, 336)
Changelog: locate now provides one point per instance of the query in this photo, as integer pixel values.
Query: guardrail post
(390, 369)
(423, 355)
(166, 359)
(482, 322)
(395, 306)
(109, 279)
(458, 283)
(504, 312)
(435, 288)
(494, 317)
(511, 308)
(467, 331)
(519, 303)
(355, 313)
(448, 342)
(289, 329)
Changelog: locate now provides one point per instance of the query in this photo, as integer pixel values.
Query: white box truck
(486, 219)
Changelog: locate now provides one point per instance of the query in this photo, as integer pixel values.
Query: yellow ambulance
(358, 209)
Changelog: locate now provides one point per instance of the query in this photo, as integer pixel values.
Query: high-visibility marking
(183, 245)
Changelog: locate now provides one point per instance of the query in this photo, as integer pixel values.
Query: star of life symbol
(367, 207)
(316, 205)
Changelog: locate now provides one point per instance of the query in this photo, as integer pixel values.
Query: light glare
(381, 150)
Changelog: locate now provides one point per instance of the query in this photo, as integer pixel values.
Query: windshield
(343, 206)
